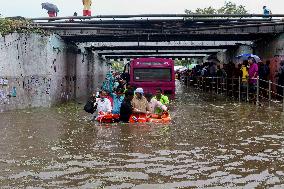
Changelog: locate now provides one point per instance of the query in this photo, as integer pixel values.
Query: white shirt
(154, 103)
(104, 105)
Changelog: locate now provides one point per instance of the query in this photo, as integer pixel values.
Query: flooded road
(211, 143)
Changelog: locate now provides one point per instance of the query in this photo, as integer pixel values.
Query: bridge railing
(261, 92)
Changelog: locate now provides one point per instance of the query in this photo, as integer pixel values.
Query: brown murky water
(211, 143)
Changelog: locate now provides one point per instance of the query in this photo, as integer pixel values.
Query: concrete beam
(157, 55)
(169, 44)
(170, 48)
(83, 36)
(165, 51)
(162, 16)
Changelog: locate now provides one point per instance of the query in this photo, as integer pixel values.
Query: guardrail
(259, 91)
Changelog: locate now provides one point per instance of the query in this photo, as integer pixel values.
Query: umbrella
(246, 56)
(49, 7)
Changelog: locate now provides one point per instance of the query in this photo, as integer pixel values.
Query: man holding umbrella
(52, 9)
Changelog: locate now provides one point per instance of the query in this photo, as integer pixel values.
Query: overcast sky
(32, 8)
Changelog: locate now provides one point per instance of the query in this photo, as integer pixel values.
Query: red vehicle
(152, 73)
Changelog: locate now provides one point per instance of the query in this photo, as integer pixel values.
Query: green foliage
(232, 8)
(208, 10)
(181, 62)
(8, 25)
(227, 8)
(117, 66)
(185, 63)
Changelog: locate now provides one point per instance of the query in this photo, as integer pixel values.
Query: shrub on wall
(20, 25)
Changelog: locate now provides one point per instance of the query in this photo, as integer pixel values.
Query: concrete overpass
(160, 32)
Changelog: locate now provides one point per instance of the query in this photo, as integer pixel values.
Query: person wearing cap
(117, 100)
(154, 104)
(139, 102)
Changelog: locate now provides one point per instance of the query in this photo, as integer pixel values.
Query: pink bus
(152, 73)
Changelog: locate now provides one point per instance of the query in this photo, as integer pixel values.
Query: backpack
(90, 107)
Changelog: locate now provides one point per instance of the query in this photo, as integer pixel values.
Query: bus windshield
(152, 74)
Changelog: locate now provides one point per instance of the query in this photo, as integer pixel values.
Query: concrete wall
(268, 48)
(97, 69)
(40, 71)
(230, 54)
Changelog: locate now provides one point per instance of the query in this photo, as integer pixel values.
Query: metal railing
(260, 91)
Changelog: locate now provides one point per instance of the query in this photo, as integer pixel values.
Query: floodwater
(211, 143)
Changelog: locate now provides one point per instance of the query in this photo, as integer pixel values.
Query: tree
(227, 8)
(117, 66)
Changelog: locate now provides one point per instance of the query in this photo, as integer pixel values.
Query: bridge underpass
(211, 142)
(160, 32)
(166, 32)
(183, 36)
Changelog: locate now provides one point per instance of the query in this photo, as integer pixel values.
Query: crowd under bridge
(164, 35)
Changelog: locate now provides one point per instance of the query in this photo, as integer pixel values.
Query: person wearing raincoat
(108, 84)
(87, 7)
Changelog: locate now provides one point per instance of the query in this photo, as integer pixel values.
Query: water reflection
(211, 142)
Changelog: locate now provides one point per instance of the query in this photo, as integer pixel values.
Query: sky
(32, 8)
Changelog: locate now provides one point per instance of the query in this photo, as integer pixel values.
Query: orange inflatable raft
(108, 118)
(155, 118)
(152, 118)
(135, 118)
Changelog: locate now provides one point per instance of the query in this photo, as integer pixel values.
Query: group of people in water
(126, 101)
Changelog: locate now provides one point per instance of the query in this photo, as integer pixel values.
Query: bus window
(152, 74)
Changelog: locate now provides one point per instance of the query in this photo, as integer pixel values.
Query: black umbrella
(50, 7)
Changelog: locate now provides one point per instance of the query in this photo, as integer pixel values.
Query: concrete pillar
(230, 54)
(269, 48)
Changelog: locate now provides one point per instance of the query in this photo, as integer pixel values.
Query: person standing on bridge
(52, 10)
(266, 11)
(87, 7)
